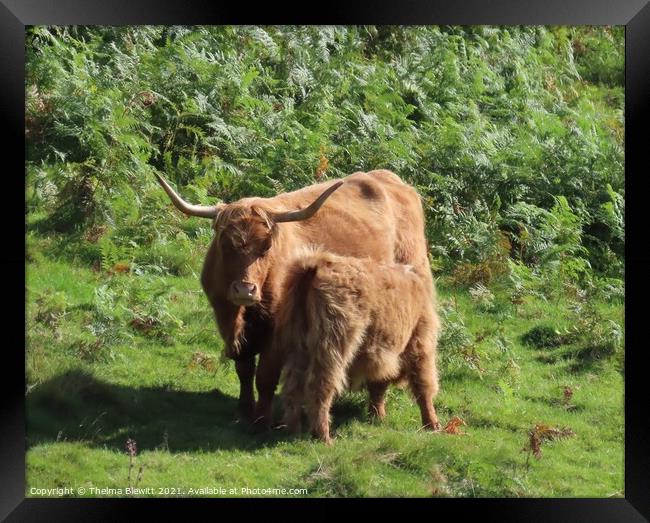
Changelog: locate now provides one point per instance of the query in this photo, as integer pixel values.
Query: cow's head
(245, 234)
(244, 237)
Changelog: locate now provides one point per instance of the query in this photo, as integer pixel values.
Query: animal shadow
(76, 406)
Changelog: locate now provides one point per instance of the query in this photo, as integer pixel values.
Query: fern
(504, 130)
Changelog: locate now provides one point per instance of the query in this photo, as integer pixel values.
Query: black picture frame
(15, 15)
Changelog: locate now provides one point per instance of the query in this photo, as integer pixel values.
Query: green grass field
(512, 135)
(116, 356)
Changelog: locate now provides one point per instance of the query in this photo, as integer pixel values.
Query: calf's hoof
(377, 412)
(324, 437)
(433, 426)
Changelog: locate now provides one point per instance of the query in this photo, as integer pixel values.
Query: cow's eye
(228, 244)
(264, 248)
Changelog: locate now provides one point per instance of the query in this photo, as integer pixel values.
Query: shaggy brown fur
(372, 215)
(346, 320)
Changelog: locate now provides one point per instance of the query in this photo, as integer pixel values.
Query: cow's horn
(203, 211)
(307, 212)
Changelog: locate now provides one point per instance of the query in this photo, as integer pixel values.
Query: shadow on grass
(578, 360)
(75, 406)
(347, 408)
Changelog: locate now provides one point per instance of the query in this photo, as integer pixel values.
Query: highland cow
(345, 321)
(366, 215)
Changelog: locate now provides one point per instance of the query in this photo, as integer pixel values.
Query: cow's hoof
(433, 427)
(245, 412)
(260, 425)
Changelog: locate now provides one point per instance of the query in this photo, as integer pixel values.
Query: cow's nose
(243, 288)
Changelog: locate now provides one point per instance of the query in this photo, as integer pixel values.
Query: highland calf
(346, 321)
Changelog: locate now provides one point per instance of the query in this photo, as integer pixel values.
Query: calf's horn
(307, 212)
(203, 211)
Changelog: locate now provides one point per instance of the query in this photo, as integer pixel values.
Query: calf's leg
(293, 411)
(326, 376)
(423, 375)
(320, 389)
(319, 402)
(377, 404)
(424, 393)
(294, 389)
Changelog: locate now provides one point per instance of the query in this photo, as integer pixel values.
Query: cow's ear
(265, 215)
(219, 222)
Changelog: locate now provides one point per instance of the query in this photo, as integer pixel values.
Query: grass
(96, 379)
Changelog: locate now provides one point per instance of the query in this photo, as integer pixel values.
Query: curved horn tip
(201, 211)
(310, 210)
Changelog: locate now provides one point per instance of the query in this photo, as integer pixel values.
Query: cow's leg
(268, 376)
(377, 405)
(423, 375)
(246, 372)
